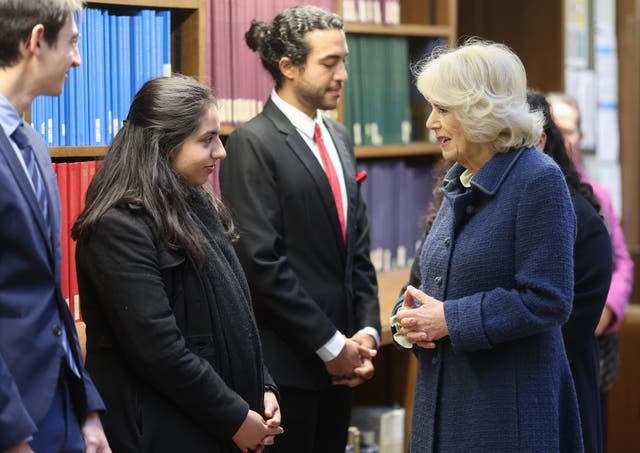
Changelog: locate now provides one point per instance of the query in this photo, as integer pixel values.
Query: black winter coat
(151, 342)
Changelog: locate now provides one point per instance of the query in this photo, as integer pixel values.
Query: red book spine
(74, 199)
(62, 174)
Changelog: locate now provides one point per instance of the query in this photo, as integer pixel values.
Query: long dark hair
(554, 147)
(137, 169)
(285, 36)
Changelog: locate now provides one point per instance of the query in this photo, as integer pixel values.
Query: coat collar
(490, 177)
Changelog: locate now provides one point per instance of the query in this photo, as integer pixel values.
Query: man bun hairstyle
(285, 36)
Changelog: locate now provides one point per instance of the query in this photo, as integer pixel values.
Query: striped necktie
(22, 140)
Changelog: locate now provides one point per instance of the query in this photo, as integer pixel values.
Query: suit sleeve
(249, 182)
(120, 262)
(15, 422)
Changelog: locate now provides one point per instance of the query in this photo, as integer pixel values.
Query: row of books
(397, 193)
(120, 51)
(73, 181)
(240, 82)
(376, 104)
(371, 11)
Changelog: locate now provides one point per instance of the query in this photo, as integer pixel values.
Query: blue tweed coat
(500, 256)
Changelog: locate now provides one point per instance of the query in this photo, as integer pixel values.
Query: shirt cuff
(332, 348)
(373, 332)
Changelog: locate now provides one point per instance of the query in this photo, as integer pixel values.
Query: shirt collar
(298, 118)
(9, 117)
(465, 178)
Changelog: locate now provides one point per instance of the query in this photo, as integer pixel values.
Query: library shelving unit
(419, 19)
(394, 382)
(188, 51)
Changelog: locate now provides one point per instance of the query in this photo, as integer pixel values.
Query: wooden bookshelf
(61, 152)
(188, 50)
(434, 31)
(400, 150)
(394, 381)
(395, 378)
(418, 19)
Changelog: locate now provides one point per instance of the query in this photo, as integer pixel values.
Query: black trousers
(314, 421)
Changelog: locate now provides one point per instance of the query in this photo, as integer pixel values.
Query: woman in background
(592, 258)
(171, 340)
(496, 270)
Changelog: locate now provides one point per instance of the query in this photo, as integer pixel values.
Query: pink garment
(622, 278)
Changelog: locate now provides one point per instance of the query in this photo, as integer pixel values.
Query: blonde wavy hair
(484, 85)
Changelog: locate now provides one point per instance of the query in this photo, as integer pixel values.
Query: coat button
(434, 360)
(57, 331)
(438, 280)
(447, 241)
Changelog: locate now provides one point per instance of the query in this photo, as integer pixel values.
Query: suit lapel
(25, 187)
(302, 152)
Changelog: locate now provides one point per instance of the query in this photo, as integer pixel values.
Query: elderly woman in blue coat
(496, 270)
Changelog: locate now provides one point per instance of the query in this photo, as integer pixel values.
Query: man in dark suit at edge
(48, 403)
(289, 179)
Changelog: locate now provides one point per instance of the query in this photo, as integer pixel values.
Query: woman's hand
(252, 433)
(271, 414)
(425, 324)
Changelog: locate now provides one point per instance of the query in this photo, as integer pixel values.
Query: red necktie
(332, 176)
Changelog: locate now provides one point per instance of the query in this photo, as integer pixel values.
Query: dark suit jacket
(32, 309)
(305, 281)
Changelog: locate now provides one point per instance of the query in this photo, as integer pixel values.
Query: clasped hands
(353, 365)
(257, 432)
(421, 319)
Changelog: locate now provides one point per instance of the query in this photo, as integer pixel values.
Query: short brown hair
(18, 17)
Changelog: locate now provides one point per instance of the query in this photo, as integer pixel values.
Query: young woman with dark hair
(171, 337)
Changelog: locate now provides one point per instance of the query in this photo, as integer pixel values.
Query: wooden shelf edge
(362, 152)
(166, 4)
(400, 150)
(78, 151)
(435, 31)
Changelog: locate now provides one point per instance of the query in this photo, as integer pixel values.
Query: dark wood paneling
(532, 29)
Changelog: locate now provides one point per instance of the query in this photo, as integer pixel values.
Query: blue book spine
(62, 120)
(90, 90)
(137, 58)
(52, 121)
(100, 119)
(72, 113)
(147, 44)
(125, 66)
(158, 28)
(166, 42)
(115, 71)
(107, 77)
(82, 88)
